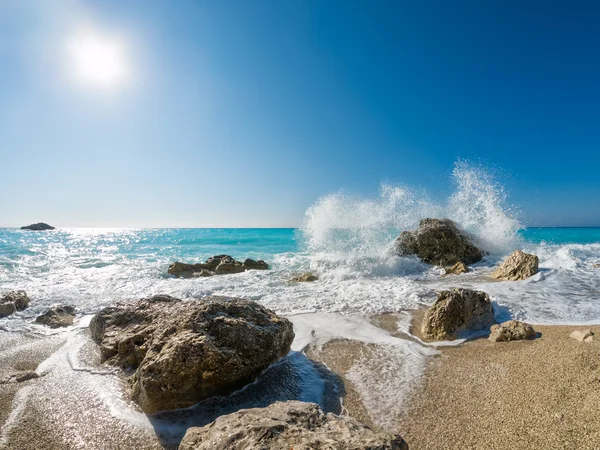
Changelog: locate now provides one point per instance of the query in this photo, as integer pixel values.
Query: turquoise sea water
(91, 268)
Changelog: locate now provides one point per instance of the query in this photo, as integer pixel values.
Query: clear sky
(244, 113)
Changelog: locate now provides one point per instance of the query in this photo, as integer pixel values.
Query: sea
(347, 241)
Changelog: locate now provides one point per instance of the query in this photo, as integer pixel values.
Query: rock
(38, 227)
(57, 316)
(581, 335)
(19, 377)
(6, 309)
(439, 242)
(456, 269)
(455, 311)
(183, 352)
(13, 301)
(304, 277)
(513, 330)
(215, 265)
(596, 266)
(589, 339)
(517, 266)
(285, 426)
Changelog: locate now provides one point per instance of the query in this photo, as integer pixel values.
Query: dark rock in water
(517, 266)
(38, 227)
(57, 316)
(304, 277)
(13, 301)
(215, 265)
(455, 311)
(181, 352)
(512, 330)
(288, 425)
(6, 309)
(439, 242)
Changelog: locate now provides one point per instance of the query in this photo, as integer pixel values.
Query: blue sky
(245, 113)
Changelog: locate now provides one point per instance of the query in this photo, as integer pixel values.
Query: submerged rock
(438, 242)
(215, 265)
(41, 226)
(455, 311)
(57, 316)
(304, 277)
(456, 269)
(13, 301)
(517, 266)
(582, 335)
(512, 330)
(181, 352)
(288, 425)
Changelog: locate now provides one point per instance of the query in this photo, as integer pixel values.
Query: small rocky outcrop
(304, 277)
(438, 242)
(596, 266)
(57, 316)
(512, 330)
(517, 266)
(215, 265)
(285, 426)
(457, 310)
(456, 269)
(582, 335)
(12, 302)
(38, 227)
(180, 352)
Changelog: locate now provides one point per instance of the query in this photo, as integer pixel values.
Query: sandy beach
(542, 393)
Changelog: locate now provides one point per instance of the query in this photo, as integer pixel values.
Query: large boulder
(13, 301)
(181, 352)
(512, 330)
(215, 265)
(455, 311)
(439, 242)
(517, 266)
(57, 316)
(41, 226)
(285, 426)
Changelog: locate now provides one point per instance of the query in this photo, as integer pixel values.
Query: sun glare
(97, 60)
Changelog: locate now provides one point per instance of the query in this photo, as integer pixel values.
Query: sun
(98, 60)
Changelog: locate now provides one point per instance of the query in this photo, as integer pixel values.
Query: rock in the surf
(41, 226)
(288, 425)
(438, 242)
(512, 330)
(455, 311)
(181, 352)
(596, 266)
(13, 301)
(215, 265)
(582, 335)
(57, 316)
(304, 277)
(517, 266)
(456, 269)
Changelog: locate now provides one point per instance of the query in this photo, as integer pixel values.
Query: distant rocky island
(41, 226)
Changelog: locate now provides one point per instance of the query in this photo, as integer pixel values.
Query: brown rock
(517, 266)
(57, 316)
(455, 311)
(6, 309)
(285, 426)
(183, 352)
(304, 277)
(19, 298)
(439, 242)
(456, 269)
(513, 330)
(215, 265)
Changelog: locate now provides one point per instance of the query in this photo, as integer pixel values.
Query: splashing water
(355, 228)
